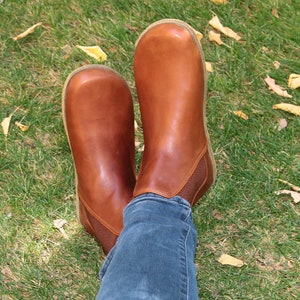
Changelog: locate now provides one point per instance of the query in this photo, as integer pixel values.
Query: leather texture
(99, 122)
(170, 79)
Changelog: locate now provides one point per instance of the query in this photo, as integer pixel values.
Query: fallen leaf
(214, 36)
(26, 32)
(58, 224)
(276, 88)
(5, 124)
(293, 109)
(265, 49)
(199, 35)
(216, 24)
(276, 64)
(94, 51)
(208, 67)
(294, 187)
(232, 34)
(139, 146)
(240, 114)
(294, 81)
(282, 124)
(295, 195)
(269, 264)
(22, 126)
(275, 13)
(226, 259)
(219, 1)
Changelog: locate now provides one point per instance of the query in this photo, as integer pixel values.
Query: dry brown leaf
(293, 109)
(295, 195)
(58, 224)
(226, 259)
(21, 126)
(214, 36)
(276, 64)
(269, 264)
(208, 67)
(275, 13)
(282, 124)
(276, 88)
(294, 187)
(240, 114)
(94, 51)
(26, 32)
(219, 1)
(5, 124)
(294, 81)
(216, 24)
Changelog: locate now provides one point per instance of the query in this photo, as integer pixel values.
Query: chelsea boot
(170, 76)
(99, 123)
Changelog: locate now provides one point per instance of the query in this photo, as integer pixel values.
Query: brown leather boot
(170, 75)
(99, 122)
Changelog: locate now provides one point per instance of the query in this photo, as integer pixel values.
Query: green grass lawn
(240, 216)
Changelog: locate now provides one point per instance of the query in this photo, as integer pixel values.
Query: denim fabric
(154, 255)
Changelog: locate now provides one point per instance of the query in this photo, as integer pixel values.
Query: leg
(154, 256)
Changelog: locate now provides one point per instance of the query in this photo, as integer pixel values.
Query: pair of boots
(170, 76)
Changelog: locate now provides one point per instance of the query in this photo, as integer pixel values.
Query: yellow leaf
(136, 126)
(216, 24)
(198, 34)
(294, 81)
(219, 1)
(208, 67)
(294, 187)
(276, 64)
(22, 126)
(215, 37)
(232, 34)
(275, 13)
(58, 224)
(5, 124)
(276, 88)
(26, 32)
(226, 259)
(240, 114)
(293, 109)
(294, 195)
(94, 51)
(282, 124)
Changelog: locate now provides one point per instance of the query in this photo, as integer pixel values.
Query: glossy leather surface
(99, 122)
(171, 85)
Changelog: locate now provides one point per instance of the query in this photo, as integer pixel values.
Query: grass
(240, 215)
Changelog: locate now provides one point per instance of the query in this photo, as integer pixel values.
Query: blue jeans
(154, 255)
